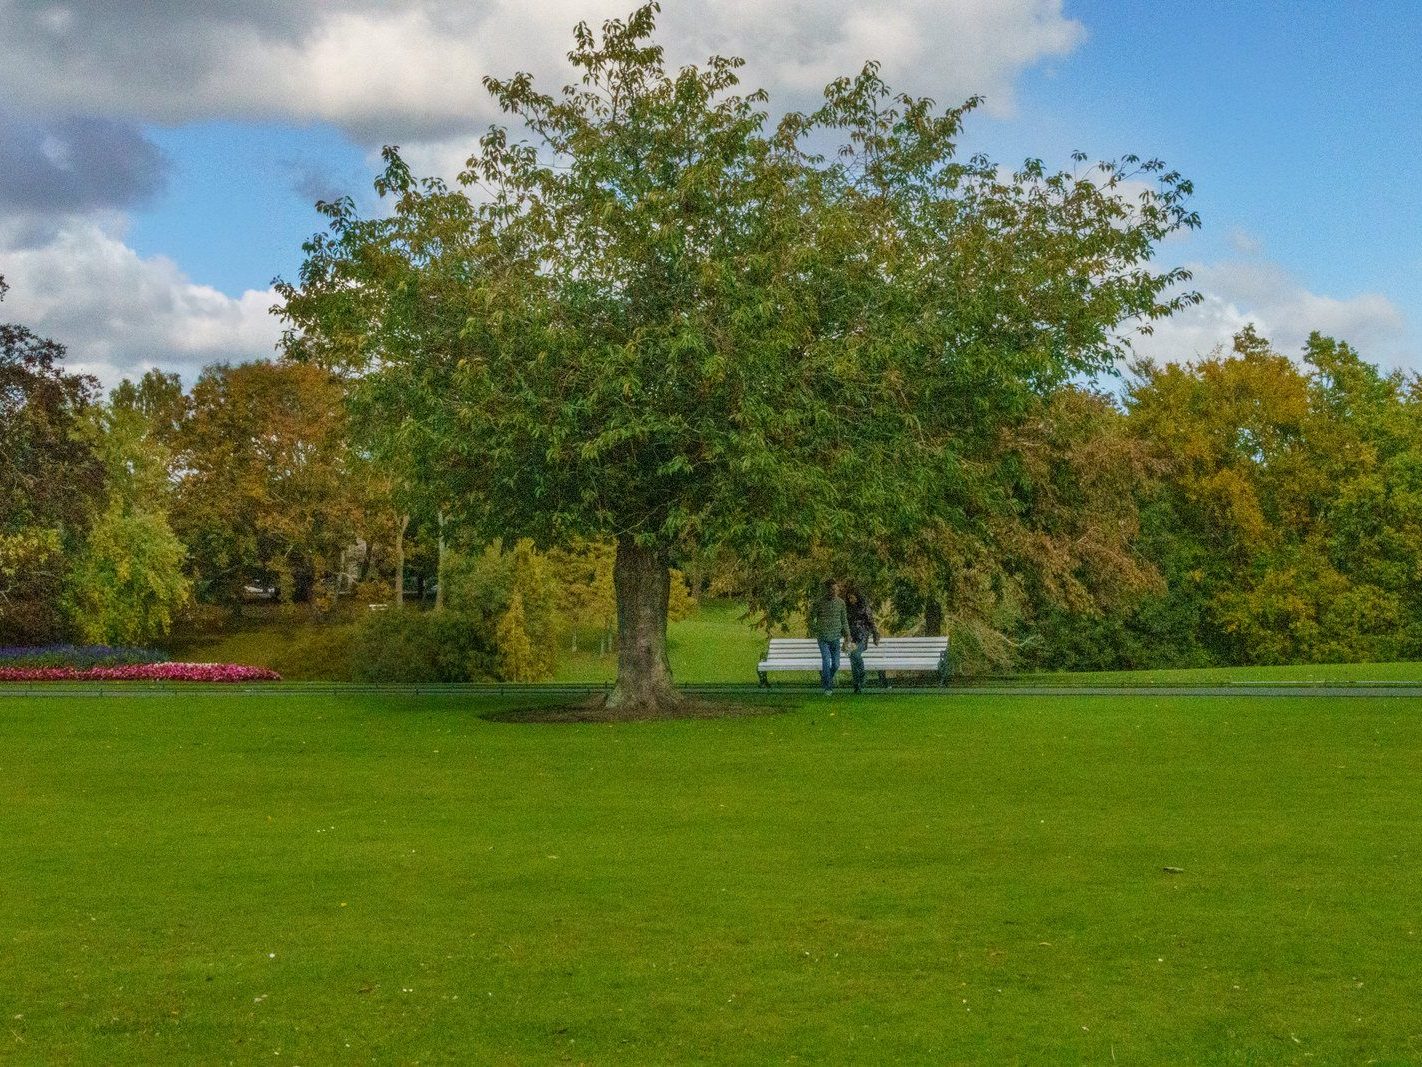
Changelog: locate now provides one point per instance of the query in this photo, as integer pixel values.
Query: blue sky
(149, 206)
(1300, 123)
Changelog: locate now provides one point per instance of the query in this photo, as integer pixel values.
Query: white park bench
(927, 654)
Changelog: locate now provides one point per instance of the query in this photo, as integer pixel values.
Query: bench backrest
(892, 653)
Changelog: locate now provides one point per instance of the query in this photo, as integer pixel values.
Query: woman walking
(861, 628)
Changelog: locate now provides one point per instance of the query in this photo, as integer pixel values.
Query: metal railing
(983, 686)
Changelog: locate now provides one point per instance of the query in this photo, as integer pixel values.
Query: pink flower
(142, 672)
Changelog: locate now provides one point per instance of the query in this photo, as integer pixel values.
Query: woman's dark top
(861, 621)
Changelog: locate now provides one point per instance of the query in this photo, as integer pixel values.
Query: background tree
(1067, 552)
(669, 324)
(1286, 512)
(510, 591)
(158, 400)
(127, 583)
(51, 481)
(269, 489)
(1366, 448)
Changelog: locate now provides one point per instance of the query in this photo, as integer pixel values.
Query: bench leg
(884, 679)
(764, 681)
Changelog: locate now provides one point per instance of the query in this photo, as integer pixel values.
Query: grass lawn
(1297, 672)
(931, 879)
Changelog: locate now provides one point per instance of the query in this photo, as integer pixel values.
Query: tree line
(157, 506)
(656, 333)
(1247, 507)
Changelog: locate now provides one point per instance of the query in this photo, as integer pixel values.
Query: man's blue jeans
(829, 662)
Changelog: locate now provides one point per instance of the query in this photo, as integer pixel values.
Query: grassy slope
(917, 879)
(290, 643)
(714, 645)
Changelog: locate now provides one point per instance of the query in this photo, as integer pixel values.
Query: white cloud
(119, 313)
(1245, 243)
(1282, 309)
(406, 71)
(412, 69)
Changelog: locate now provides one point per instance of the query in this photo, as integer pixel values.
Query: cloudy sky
(159, 158)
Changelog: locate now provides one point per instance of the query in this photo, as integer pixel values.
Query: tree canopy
(269, 486)
(652, 315)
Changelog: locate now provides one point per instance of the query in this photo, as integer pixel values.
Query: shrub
(317, 652)
(417, 646)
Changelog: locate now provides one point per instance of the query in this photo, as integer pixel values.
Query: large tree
(654, 316)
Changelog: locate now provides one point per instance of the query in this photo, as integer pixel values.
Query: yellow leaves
(127, 582)
(518, 661)
(680, 602)
(26, 549)
(1231, 496)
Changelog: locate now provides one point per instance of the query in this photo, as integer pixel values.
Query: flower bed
(79, 656)
(142, 672)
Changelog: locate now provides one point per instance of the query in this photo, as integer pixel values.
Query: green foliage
(319, 651)
(518, 660)
(134, 435)
(587, 599)
(25, 551)
(127, 582)
(586, 596)
(420, 646)
(1284, 512)
(51, 481)
(680, 602)
(1302, 609)
(666, 321)
(500, 620)
(487, 585)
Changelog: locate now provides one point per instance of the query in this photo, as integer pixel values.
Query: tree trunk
(933, 618)
(642, 581)
(439, 566)
(400, 561)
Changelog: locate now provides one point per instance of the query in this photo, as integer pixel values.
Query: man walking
(829, 625)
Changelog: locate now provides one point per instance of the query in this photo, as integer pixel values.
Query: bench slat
(926, 654)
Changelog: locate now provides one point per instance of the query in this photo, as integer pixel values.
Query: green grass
(1299, 672)
(914, 879)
